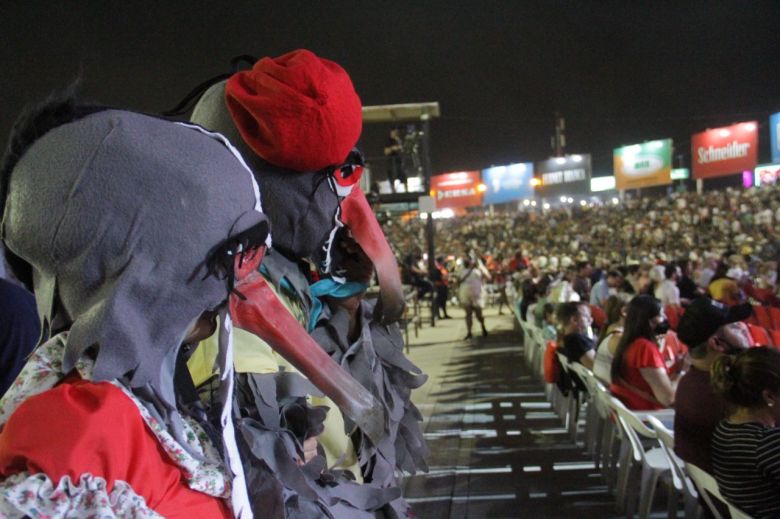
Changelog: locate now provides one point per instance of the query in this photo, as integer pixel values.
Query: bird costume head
(297, 119)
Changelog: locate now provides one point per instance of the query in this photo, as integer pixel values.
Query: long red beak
(262, 314)
(364, 227)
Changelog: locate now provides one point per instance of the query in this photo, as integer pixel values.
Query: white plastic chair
(652, 462)
(569, 408)
(708, 488)
(682, 483)
(594, 419)
(611, 437)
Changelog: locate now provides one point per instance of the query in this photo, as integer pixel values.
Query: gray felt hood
(117, 213)
(301, 206)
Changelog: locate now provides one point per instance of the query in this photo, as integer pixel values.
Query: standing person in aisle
(441, 282)
(471, 276)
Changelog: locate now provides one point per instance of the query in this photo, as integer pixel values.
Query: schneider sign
(725, 151)
(643, 165)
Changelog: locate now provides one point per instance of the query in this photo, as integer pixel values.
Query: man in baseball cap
(709, 329)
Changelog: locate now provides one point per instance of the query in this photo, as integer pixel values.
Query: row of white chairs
(633, 450)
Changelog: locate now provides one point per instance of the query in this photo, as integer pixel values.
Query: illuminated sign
(767, 174)
(681, 173)
(774, 136)
(457, 189)
(507, 183)
(602, 183)
(569, 175)
(725, 151)
(643, 165)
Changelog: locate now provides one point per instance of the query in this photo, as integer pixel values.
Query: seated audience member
(710, 330)
(19, 331)
(609, 338)
(606, 286)
(543, 291)
(667, 291)
(746, 445)
(530, 298)
(561, 291)
(723, 288)
(581, 283)
(549, 332)
(639, 375)
(688, 289)
(575, 319)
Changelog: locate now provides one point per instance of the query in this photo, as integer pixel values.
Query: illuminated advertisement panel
(457, 189)
(767, 174)
(602, 184)
(725, 151)
(507, 183)
(569, 175)
(643, 165)
(774, 136)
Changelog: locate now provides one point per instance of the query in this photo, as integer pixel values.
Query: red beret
(297, 111)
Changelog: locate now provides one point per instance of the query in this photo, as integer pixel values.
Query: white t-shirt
(668, 293)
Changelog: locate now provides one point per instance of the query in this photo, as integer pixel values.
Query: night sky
(619, 72)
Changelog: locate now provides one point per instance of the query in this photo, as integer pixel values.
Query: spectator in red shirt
(639, 375)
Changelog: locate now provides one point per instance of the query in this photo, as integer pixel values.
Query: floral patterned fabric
(44, 370)
(25, 495)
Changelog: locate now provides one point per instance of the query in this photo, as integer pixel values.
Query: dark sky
(620, 72)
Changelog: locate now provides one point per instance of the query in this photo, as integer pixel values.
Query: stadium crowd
(665, 299)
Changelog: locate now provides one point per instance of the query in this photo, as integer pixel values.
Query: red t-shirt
(641, 353)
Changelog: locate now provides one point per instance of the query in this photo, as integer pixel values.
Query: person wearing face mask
(711, 330)
(639, 375)
(746, 445)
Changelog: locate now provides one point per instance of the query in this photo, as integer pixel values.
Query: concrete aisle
(497, 449)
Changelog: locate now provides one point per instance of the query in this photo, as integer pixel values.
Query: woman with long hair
(639, 375)
(746, 445)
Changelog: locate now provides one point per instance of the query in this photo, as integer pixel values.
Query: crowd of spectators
(651, 294)
(637, 231)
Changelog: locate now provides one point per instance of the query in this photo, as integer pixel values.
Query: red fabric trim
(83, 427)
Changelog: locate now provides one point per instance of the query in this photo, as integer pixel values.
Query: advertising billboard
(725, 151)
(767, 174)
(602, 184)
(507, 183)
(457, 189)
(643, 165)
(569, 175)
(774, 136)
